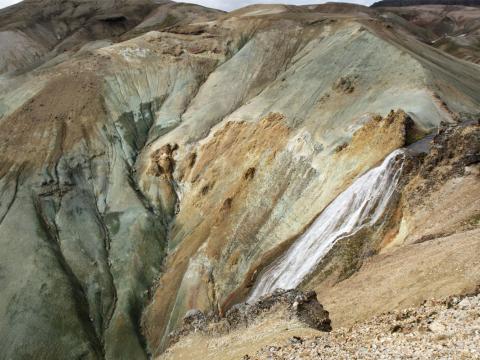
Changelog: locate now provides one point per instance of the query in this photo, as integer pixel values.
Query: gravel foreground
(446, 329)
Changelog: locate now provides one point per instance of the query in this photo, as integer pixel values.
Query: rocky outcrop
(437, 218)
(163, 163)
(291, 304)
(303, 306)
(432, 329)
(455, 150)
(446, 176)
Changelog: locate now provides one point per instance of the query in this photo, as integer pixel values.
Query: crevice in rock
(50, 231)
(13, 198)
(107, 243)
(132, 150)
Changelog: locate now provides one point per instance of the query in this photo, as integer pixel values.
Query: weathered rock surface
(438, 329)
(303, 306)
(430, 246)
(295, 305)
(446, 181)
(155, 157)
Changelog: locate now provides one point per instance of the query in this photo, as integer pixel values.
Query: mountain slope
(36, 31)
(453, 29)
(158, 168)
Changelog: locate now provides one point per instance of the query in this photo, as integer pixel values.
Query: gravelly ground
(446, 329)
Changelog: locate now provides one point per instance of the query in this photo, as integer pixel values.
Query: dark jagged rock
(293, 304)
(303, 306)
(194, 321)
(454, 147)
